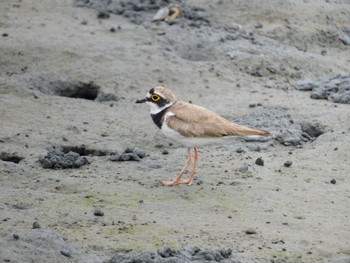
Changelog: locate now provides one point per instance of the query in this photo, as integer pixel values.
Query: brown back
(195, 121)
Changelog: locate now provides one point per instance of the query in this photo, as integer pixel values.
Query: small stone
(165, 152)
(139, 153)
(333, 181)
(36, 225)
(244, 168)
(250, 231)
(15, 236)
(258, 25)
(259, 161)
(102, 15)
(199, 182)
(240, 150)
(165, 252)
(98, 212)
(288, 163)
(65, 253)
(114, 157)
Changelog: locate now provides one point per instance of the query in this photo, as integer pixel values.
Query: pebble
(15, 236)
(244, 168)
(250, 231)
(36, 225)
(240, 150)
(345, 38)
(165, 152)
(333, 181)
(98, 212)
(288, 163)
(65, 253)
(259, 161)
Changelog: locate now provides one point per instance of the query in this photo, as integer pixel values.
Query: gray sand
(70, 72)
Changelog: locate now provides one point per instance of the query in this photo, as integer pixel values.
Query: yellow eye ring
(155, 97)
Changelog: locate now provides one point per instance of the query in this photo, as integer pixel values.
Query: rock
(240, 150)
(306, 85)
(288, 163)
(244, 168)
(319, 93)
(165, 252)
(259, 161)
(345, 38)
(66, 253)
(164, 151)
(98, 212)
(102, 15)
(36, 225)
(250, 231)
(333, 181)
(258, 25)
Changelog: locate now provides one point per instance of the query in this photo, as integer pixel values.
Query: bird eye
(155, 97)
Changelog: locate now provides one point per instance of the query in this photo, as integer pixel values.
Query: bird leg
(178, 180)
(190, 180)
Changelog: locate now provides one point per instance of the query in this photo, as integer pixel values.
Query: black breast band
(157, 118)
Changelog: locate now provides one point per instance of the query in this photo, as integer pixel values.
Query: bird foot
(174, 182)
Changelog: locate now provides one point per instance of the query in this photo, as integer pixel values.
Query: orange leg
(190, 180)
(178, 180)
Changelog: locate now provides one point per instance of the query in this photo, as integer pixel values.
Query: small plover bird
(191, 126)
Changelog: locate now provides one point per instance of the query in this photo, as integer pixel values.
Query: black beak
(141, 101)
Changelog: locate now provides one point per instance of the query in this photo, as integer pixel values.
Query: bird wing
(195, 121)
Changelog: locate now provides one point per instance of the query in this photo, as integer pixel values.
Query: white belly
(192, 141)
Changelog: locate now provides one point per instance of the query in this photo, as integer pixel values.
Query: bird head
(158, 98)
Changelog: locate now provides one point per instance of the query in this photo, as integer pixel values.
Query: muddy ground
(81, 163)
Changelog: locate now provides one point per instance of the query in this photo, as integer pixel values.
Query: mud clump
(336, 89)
(129, 154)
(37, 245)
(288, 131)
(56, 158)
(185, 255)
(141, 11)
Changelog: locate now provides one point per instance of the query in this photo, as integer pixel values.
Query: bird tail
(249, 132)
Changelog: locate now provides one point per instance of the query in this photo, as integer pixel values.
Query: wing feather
(195, 121)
